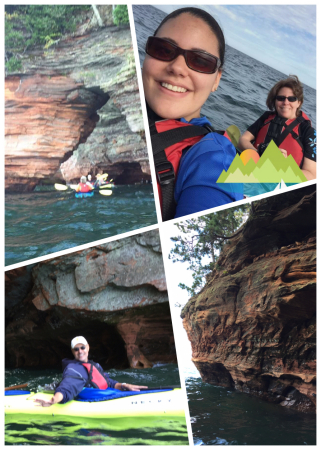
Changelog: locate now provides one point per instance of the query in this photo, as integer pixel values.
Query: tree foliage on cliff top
(120, 15)
(201, 240)
(29, 25)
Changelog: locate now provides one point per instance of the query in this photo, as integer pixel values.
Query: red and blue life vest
(169, 139)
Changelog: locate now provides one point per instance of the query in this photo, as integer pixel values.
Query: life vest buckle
(165, 172)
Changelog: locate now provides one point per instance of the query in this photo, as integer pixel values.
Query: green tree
(120, 15)
(201, 240)
(30, 25)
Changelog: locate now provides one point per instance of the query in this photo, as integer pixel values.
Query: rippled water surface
(220, 416)
(44, 222)
(245, 83)
(29, 431)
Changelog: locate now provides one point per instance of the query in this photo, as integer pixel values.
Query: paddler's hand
(129, 387)
(55, 399)
(284, 152)
(133, 387)
(44, 403)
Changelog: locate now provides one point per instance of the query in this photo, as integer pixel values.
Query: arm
(72, 383)
(309, 144)
(129, 387)
(309, 169)
(245, 141)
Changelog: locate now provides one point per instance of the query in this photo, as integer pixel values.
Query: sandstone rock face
(253, 325)
(115, 294)
(74, 110)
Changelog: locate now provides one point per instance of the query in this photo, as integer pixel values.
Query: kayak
(84, 194)
(162, 404)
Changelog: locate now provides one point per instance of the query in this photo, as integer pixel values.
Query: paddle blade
(60, 187)
(102, 176)
(106, 193)
(73, 186)
(234, 134)
(104, 186)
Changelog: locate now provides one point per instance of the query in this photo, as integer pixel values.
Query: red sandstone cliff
(114, 294)
(253, 326)
(74, 110)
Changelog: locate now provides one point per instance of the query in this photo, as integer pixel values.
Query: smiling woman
(286, 125)
(183, 66)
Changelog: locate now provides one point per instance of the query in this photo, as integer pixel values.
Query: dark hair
(292, 82)
(207, 18)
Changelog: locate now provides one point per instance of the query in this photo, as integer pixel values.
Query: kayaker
(183, 66)
(99, 180)
(287, 125)
(81, 372)
(89, 182)
(83, 186)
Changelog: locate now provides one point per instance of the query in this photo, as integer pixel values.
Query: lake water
(28, 431)
(48, 221)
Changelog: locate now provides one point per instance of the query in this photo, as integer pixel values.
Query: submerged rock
(253, 325)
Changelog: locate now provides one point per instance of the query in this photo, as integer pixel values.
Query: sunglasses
(78, 348)
(282, 98)
(197, 60)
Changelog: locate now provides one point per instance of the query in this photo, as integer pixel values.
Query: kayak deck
(165, 404)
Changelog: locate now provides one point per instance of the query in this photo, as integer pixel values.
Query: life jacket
(285, 134)
(169, 139)
(95, 377)
(83, 187)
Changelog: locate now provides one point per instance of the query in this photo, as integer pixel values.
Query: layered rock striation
(114, 294)
(74, 110)
(253, 325)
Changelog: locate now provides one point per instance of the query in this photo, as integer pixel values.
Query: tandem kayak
(165, 404)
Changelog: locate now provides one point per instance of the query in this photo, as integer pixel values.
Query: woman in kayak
(183, 66)
(287, 125)
(83, 186)
(82, 372)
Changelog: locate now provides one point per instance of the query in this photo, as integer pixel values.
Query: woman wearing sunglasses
(287, 125)
(81, 372)
(183, 66)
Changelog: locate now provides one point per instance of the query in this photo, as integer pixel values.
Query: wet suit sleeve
(111, 383)
(257, 125)
(308, 136)
(72, 383)
(196, 188)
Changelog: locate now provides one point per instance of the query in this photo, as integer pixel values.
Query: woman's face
(160, 77)
(287, 109)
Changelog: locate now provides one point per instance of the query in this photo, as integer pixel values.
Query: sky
(281, 36)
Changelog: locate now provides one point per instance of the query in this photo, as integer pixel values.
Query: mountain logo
(272, 167)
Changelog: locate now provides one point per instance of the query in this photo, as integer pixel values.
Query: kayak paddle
(106, 193)
(234, 134)
(104, 186)
(60, 187)
(11, 388)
